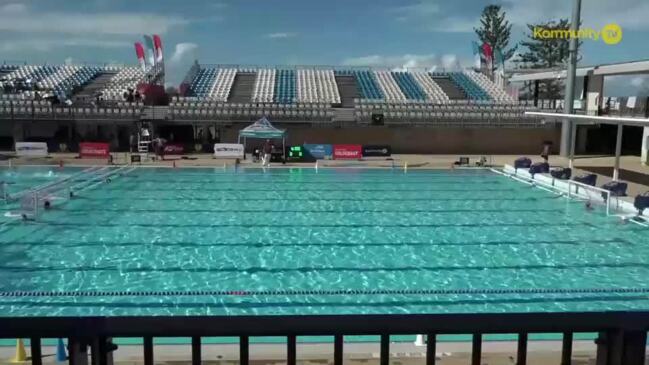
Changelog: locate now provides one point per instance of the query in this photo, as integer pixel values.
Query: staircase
(344, 115)
(89, 92)
(450, 89)
(242, 88)
(348, 90)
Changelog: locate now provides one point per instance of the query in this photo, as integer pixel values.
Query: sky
(394, 33)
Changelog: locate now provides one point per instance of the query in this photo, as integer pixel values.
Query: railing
(621, 341)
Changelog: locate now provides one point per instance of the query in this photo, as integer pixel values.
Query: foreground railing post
(476, 352)
(291, 350)
(196, 350)
(244, 350)
(37, 356)
(148, 350)
(431, 344)
(521, 353)
(338, 350)
(385, 350)
(566, 349)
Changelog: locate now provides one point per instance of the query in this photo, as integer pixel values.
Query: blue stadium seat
(285, 86)
(367, 84)
(409, 86)
(202, 83)
(472, 90)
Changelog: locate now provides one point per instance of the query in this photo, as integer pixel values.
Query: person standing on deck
(267, 150)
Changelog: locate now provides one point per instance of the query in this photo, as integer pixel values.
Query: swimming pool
(333, 241)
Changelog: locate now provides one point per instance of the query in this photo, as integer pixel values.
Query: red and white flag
(139, 51)
(157, 42)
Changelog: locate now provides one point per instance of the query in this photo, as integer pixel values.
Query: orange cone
(21, 355)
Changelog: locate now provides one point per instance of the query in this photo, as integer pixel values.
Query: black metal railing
(621, 341)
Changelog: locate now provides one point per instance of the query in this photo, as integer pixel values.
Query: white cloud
(280, 35)
(408, 61)
(638, 81)
(422, 8)
(184, 51)
(15, 17)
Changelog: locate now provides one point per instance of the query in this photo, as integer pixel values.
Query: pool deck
(631, 167)
(448, 353)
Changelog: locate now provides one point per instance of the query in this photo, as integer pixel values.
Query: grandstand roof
(623, 68)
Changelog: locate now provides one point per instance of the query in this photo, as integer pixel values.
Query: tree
(495, 30)
(546, 53)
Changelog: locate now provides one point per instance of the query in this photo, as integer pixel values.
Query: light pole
(568, 128)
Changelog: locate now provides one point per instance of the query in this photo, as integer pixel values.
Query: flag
(488, 55)
(139, 52)
(148, 41)
(477, 55)
(157, 43)
(500, 60)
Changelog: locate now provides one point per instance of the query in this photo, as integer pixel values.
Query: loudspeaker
(377, 119)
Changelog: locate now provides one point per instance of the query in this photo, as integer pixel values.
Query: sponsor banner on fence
(174, 149)
(228, 150)
(348, 152)
(319, 151)
(31, 149)
(377, 151)
(93, 149)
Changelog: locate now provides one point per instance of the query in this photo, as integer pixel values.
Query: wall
(423, 140)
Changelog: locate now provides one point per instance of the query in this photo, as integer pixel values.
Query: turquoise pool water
(21, 178)
(298, 229)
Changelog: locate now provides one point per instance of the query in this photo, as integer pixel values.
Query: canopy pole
(573, 138)
(284, 148)
(618, 152)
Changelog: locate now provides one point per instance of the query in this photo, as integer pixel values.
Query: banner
(31, 149)
(148, 42)
(157, 43)
(319, 151)
(228, 150)
(174, 149)
(94, 150)
(348, 152)
(377, 151)
(139, 52)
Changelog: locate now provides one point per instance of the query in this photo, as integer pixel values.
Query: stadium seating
(264, 90)
(366, 81)
(317, 86)
(203, 82)
(433, 92)
(285, 86)
(222, 85)
(67, 78)
(409, 86)
(497, 94)
(472, 90)
(388, 86)
(127, 77)
(30, 74)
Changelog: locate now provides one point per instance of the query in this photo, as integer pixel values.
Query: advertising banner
(174, 149)
(348, 152)
(377, 151)
(319, 151)
(93, 150)
(228, 150)
(31, 149)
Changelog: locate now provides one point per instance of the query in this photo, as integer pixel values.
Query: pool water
(18, 179)
(181, 230)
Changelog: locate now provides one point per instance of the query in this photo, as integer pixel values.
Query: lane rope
(322, 292)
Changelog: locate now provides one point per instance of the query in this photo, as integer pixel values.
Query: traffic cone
(21, 355)
(61, 356)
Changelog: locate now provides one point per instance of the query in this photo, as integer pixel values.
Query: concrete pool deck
(448, 353)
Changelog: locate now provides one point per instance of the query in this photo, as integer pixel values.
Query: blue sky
(423, 33)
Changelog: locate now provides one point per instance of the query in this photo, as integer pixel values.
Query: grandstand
(294, 96)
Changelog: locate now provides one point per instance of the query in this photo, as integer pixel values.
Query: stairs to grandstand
(344, 115)
(88, 93)
(348, 91)
(449, 88)
(155, 112)
(242, 88)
